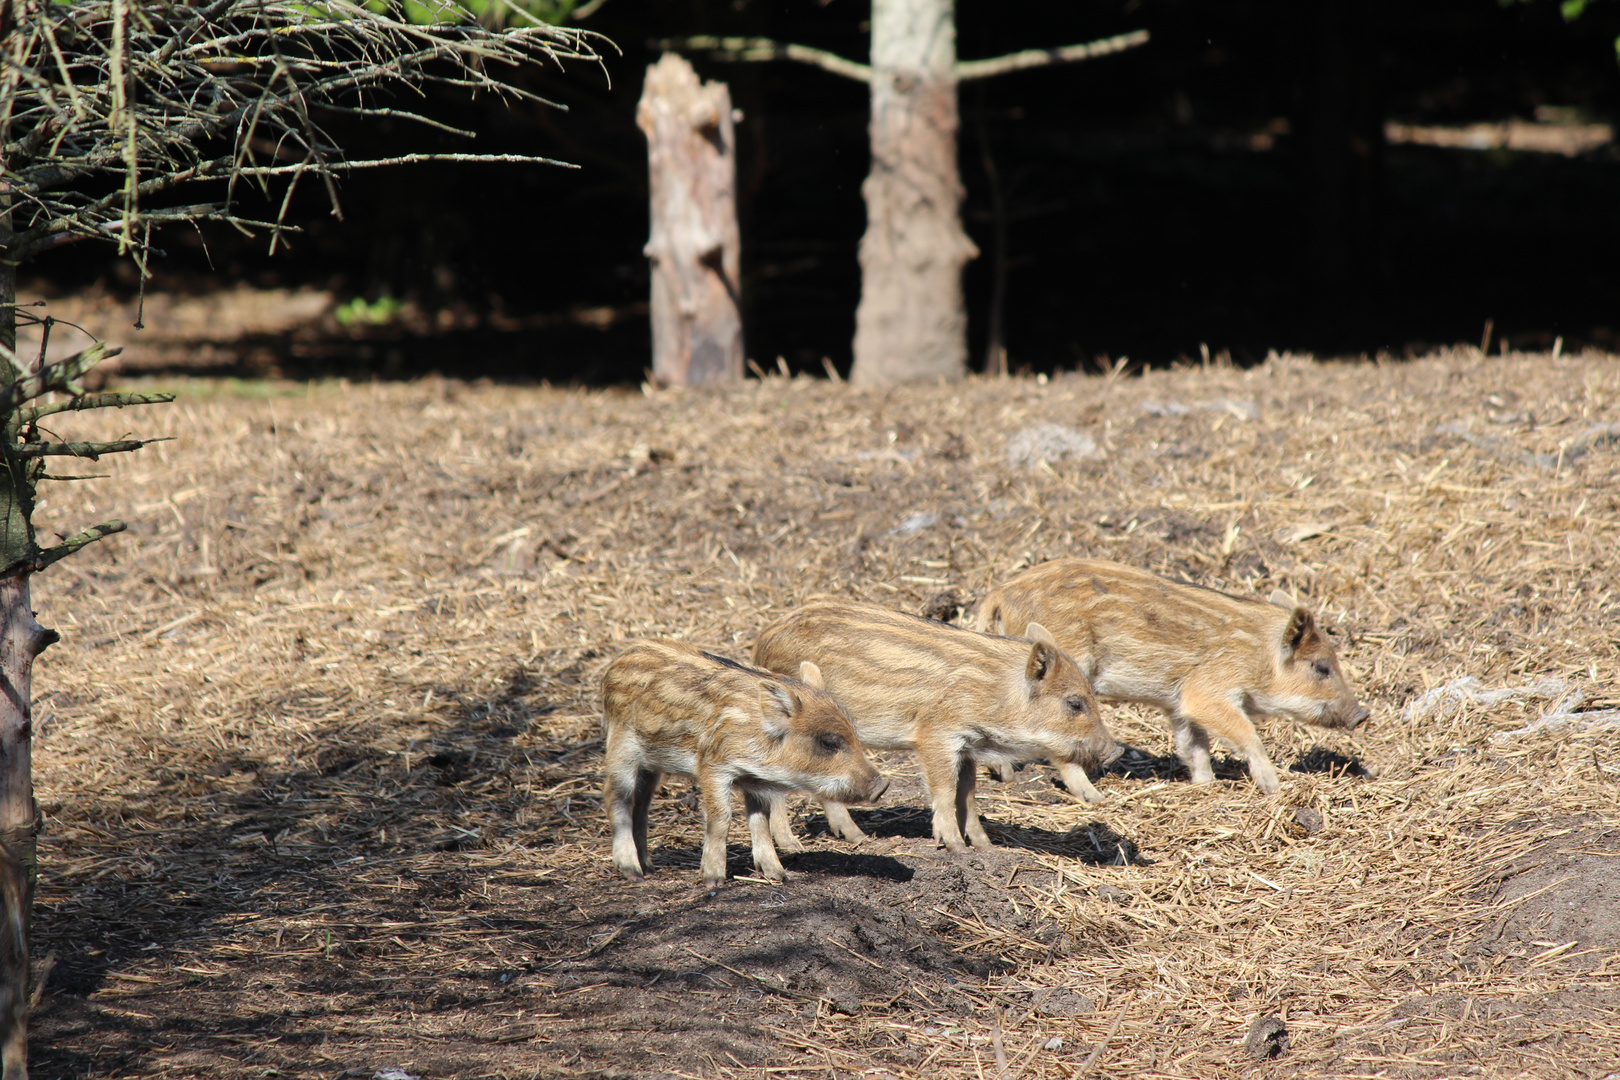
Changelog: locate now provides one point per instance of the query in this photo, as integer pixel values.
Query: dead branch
(1032, 58)
(77, 541)
(757, 49)
(93, 401)
(91, 450)
(740, 49)
(62, 376)
(110, 104)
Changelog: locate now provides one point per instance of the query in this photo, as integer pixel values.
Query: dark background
(1226, 185)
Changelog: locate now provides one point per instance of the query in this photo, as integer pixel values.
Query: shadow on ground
(263, 914)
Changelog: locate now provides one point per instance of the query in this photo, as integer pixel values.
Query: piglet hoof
(1086, 792)
(713, 882)
(791, 845)
(1265, 778)
(633, 873)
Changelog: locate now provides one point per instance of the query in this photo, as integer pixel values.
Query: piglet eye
(1076, 704)
(1322, 668)
(829, 743)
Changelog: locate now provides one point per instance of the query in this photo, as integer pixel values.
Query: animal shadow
(1134, 763)
(904, 822)
(740, 863)
(840, 864)
(1322, 760)
(1094, 844)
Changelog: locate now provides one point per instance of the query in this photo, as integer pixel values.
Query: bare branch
(75, 542)
(91, 450)
(1033, 58)
(403, 159)
(756, 49)
(93, 401)
(110, 104)
(740, 49)
(62, 376)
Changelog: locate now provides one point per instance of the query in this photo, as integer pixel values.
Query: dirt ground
(319, 751)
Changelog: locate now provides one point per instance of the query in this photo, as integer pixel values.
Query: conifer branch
(93, 401)
(91, 450)
(77, 541)
(62, 376)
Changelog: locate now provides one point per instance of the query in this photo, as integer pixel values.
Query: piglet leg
(716, 795)
(782, 826)
(1078, 783)
(967, 807)
(941, 773)
(759, 831)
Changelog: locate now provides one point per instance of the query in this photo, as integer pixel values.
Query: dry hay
(319, 751)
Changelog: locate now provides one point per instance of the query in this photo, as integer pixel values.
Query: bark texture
(911, 325)
(21, 639)
(17, 812)
(695, 247)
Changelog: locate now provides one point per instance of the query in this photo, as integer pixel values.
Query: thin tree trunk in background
(21, 639)
(695, 247)
(911, 324)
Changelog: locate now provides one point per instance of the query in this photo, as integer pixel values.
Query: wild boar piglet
(671, 708)
(952, 696)
(1210, 660)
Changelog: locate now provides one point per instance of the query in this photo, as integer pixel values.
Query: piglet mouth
(1358, 717)
(1098, 755)
(875, 791)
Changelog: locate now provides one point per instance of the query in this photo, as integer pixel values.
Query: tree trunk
(695, 249)
(21, 639)
(911, 325)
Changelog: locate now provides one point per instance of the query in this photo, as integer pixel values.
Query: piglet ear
(1301, 627)
(776, 710)
(810, 675)
(1282, 599)
(1043, 657)
(1036, 632)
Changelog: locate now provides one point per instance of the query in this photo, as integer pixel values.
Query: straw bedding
(319, 752)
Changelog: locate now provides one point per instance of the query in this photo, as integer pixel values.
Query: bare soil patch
(1566, 888)
(319, 752)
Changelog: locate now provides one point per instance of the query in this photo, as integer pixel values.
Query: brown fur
(1208, 659)
(951, 695)
(670, 708)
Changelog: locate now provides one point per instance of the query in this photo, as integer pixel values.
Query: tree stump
(694, 247)
(911, 324)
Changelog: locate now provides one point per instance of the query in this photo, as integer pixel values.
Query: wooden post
(695, 248)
